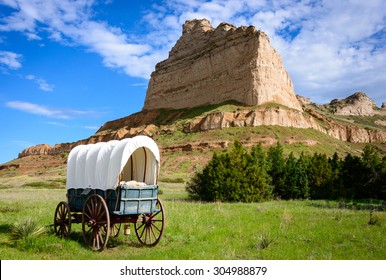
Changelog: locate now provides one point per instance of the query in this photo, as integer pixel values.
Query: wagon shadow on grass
(114, 242)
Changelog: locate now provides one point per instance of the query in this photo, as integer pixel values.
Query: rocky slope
(160, 122)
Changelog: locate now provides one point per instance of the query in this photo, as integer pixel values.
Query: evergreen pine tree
(276, 168)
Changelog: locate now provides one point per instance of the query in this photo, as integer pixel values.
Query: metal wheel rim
(96, 223)
(62, 220)
(149, 227)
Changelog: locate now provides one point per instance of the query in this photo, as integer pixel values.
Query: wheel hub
(91, 223)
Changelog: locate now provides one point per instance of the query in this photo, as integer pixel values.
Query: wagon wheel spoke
(87, 215)
(155, 214)
(142, 225)
(101, 238)
(115, 229)
(96, 223)
(142, 232)
(62, 220)
(148, 229)
(154, 226)
(153, 233)
(148, 234)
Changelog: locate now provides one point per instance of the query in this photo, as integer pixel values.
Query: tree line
(257, 175)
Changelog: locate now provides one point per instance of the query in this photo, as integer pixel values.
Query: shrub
(234, 176)
(255, 176)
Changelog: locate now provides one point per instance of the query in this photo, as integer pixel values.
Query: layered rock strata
(211, 66)
(142, 123)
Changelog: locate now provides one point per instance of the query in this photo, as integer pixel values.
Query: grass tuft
(285, 219)
(265, 240)
(26, 230)
(375, 219)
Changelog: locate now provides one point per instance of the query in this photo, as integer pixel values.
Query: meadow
(274, 230)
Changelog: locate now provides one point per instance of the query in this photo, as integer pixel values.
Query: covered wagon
(110, 184)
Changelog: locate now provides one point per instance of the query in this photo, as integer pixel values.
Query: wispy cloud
(139, 85)
(37, 109)
(50, 112)
(92, 127)
(57, 124)
(21, 143)
(43, 85)
(10, 60)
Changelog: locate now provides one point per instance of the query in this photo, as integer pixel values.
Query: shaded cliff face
(211, 66)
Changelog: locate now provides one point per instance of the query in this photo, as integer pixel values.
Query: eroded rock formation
(211, 66)
(41, 149)
(358, 104)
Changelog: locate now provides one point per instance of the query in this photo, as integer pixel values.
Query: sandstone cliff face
(42, 149)
(251, 118)
(211, 66)
(347, 132)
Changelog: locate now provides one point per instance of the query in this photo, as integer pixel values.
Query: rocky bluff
(228, 64)
(358, 104)
(212, 65)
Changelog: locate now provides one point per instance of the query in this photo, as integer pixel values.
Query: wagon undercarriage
(98, 225)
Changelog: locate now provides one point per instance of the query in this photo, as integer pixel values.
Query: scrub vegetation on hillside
(258, 175)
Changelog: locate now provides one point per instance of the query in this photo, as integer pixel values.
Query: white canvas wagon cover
(103, 165)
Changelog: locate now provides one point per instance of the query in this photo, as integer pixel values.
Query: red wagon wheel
(149, 227)
(62, 220)
(96, 222)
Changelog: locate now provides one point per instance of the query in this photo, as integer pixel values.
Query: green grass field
(274, 230)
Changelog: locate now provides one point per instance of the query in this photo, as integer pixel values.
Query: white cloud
(37, 109)
(10, 59)
(21, 144)
(43, 85)
(57, 124)
(51, 112)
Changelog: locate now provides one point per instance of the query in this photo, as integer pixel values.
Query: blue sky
(67, 67)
